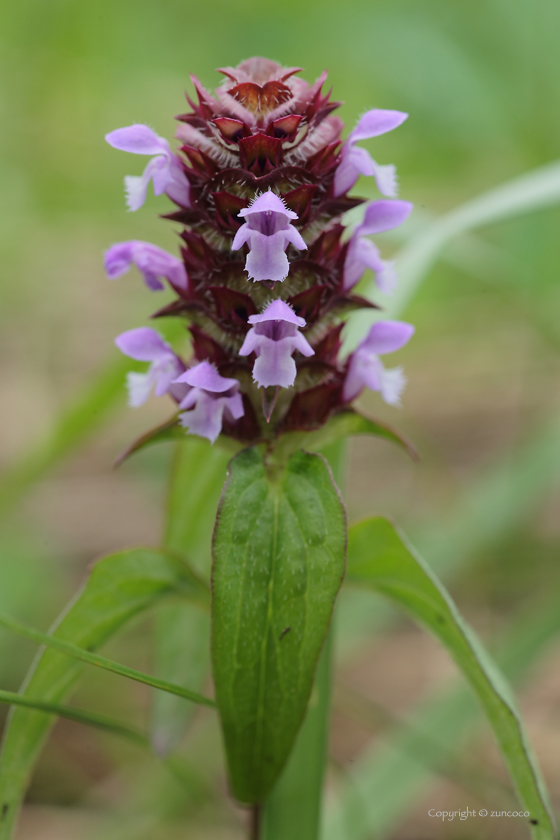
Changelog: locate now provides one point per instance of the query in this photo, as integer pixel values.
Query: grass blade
(89, 718)
(101, 662)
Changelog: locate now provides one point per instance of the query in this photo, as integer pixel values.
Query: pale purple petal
(135, 190)
(362, 253)
(139, 387)
(234, 407)
(267, 231)
(152, 261)
(118, 259)
(143, 344)
(178, 188)
(387, 337)
(207, 409)
(268, 202)
(353, 382)
(190, 398)
(160, 174)
(138, 139)
(301, 344)
(205, 376)
(250, 343)
(274, 337)
(369, 370)
(386, 179)
(383, 215)
(345, 175)
(267, 259)
(360, 159)
(146, 345)
(136, 186)
(205, 419)
(274, 365)
(393, 383)
(169, 178)
(386, 278)
(356, 161)
(293, 235)
(376, 122)
(164, 169)
(242, 236)
(365, 368)
(278, 310)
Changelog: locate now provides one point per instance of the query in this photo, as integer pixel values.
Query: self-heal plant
(263, 283)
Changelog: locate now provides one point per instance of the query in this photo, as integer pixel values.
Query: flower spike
(261, 182)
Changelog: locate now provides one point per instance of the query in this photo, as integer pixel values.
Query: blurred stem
(294, 807)
(255, 823)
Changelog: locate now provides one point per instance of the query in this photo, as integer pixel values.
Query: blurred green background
(481, 83)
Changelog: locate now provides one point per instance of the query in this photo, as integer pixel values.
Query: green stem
(294, 806)
(101, 662)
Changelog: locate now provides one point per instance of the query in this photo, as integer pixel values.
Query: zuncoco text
(463, 815)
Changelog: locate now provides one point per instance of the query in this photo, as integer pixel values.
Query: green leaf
(293, 808)
(182, 647)
(341, 425)
(279, 556)
(380, 558)
(119, 587)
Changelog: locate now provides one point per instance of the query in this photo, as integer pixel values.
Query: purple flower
(365, 368)
(209, 398)
(273, 338)
(363, 253)
(152, 261)
(268, 230)
(146, 345)
(164, 169)
(357, 161)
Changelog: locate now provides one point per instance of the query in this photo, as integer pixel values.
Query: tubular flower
(274, 337)
(152, 261)
(261, 179)
(146, 345)
(164, 169)
(268, 232)
(363, 253)
(365, 369)
(357, 161)
(210, 396)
